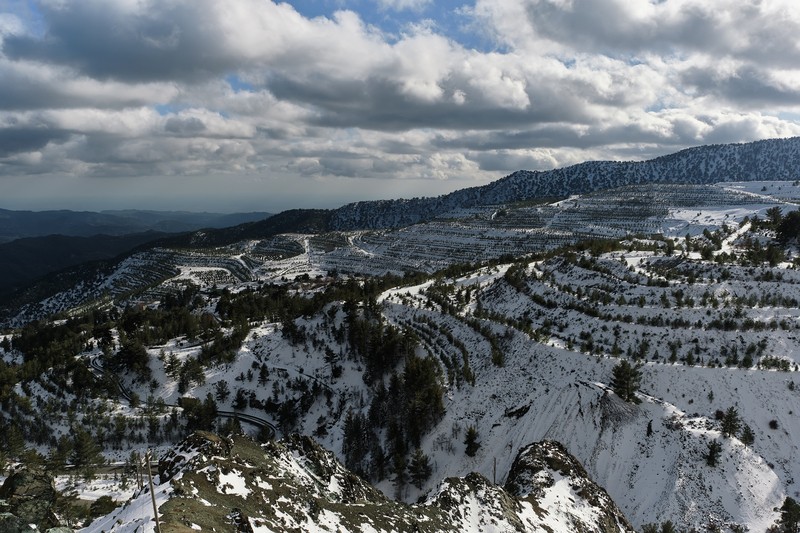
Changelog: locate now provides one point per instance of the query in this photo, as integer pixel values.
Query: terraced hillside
(471, 235)
(499, 327)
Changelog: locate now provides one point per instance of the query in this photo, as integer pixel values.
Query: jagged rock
(458, 495)
(326, 467)
(538, 470)
(294, 485)
(200, 443)
(30, 495)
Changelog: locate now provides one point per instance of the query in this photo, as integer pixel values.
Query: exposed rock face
(545, 470)
(296, 485)
(14, 524)
(200, 443)
(28, 495)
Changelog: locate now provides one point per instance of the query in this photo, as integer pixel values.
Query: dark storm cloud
(184, 126)
(555, 136)
(32, 87)
(380, 104)
(104, 40)
(21, 140)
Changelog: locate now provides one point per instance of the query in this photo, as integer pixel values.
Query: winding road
(255, 421)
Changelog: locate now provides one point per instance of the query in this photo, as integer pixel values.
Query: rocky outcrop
(28, 496)
(546, 471)
(211, 483)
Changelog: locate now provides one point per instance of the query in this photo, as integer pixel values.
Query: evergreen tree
(747, 437)
(222, 391)
(775, 216)
(625, 381)
(714, 450)
(85, 452)
(420, 468)
(399, 467)
(355, 444)
(790, 516)
(668, 527)
(730, 422)
(789, 227)
(471, 441)
(14, 440)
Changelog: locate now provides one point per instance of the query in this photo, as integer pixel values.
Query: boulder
(30, 495)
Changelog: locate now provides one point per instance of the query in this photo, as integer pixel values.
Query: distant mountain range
(21, 224)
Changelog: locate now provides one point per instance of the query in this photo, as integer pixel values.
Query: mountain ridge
(773, 159)
(18, 224)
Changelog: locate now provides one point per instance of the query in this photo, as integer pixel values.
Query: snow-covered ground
(556, 332)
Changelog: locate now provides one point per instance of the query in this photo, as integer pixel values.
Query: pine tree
(730, 422)
(420, 468)
(714, 450)
(471, 441)
(222, 391)
(790, 516)
(747, 437)
(625, 381)
(668, 527)
(789, 228)
(85, 452)
(399, 468)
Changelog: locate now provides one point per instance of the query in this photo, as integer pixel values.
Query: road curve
(253, 420)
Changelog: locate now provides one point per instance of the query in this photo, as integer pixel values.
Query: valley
(421, 354)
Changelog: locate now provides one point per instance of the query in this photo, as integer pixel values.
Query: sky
(243, 105)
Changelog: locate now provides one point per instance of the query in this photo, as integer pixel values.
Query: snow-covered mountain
(428, 358)
(767, 160)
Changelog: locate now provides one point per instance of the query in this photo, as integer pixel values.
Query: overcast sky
(237, 105)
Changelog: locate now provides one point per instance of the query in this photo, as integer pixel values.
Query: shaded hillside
(25, 260)
(21, 224)
(99, 258)
(291, 221)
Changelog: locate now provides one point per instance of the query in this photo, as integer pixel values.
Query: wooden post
(152, 492)
(139, 472)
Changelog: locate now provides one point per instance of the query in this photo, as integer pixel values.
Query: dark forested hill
(21, 224)
(24, 260)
